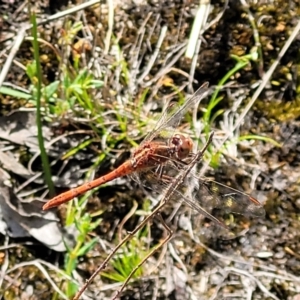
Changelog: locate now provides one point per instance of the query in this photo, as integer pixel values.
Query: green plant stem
(241, 63)
(44, 157)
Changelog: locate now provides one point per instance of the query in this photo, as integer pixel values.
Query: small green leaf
(31, 70)
(80, 147)
(77, 89)
(96, 84)
(14, 93)
(72, 288)
(50, 89)
(95, 224)
(87, 247)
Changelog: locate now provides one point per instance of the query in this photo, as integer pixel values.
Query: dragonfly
(160, 157)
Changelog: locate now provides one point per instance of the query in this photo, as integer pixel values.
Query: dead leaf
(18, 219)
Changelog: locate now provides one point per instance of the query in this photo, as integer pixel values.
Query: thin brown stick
(168, 194)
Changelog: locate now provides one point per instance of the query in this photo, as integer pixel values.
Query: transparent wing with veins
(171, 117)
(224, 206)
(221, 205)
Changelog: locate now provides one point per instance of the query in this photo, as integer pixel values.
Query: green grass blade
(14, 93)
(44, 157)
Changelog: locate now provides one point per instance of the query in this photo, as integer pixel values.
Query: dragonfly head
(183, 145)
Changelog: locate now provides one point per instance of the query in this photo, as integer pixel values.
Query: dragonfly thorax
(182, 144)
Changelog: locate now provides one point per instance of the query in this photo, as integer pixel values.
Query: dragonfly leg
(160, 171)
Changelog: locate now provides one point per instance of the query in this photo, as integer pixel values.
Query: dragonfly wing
(172, 115)
(230, 200)
(218, 210)
(222, 205)
(157, 186)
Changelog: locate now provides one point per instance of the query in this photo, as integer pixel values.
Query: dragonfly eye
(183, 145)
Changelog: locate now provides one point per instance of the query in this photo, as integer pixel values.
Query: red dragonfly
(165, 152)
